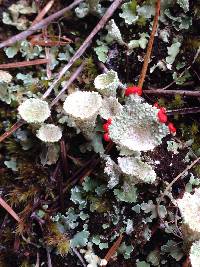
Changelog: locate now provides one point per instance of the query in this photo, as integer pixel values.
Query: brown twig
(172, 92)
(79, 256)
(15, 126)
(37, 264)
(63, 152)
(150, 46)
(49, 262)
(43, 12)
(183, 111)
(85, 44)
(48, 43)
(186, 263)
(24, 63)
(114, 248)
(23, 35)
(9, 210)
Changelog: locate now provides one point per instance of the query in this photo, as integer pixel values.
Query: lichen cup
(83, 108)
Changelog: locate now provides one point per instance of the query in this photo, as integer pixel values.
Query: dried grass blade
(114, 248)
(23, 63)
(43, 12)
(150, 46)
(15, 126)
(9, 210)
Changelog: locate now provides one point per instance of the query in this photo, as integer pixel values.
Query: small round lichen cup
(34, 110)
(107, 83)
(137, 128)
(83, 108)
(49, 133)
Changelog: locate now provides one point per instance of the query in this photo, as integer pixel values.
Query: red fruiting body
(106, 126)
(163, 110)
(162, 116)
(156, 105)
(171, 127)
(109, 121)
(133, 90)
(106, 137)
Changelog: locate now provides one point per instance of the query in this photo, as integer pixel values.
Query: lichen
(34, 110)
(107, 83)
(189, 207)
(83, 108)
(113, 172)
(195, 254)
(137, 127)
(49, 133)
(5, 77)
(110, 107)
(136, 171)
(114, 32)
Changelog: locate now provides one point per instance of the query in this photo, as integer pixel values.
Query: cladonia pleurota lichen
(110, 107)
(34, 110)
(195, 254)
(189, 207)
(49, 133)
(83, 108)
(107, 83)
(136, 171)
(137, 128)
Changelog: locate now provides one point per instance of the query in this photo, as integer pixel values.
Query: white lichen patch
(34, 110)
(110, 107)
(114, 32)
(5, 77)
(113, 172)
(189, 207)
(137, 127)
(92, 259)
(195, 254)
(49, 133)
(107, 83)
(83, 108)
(136, 171)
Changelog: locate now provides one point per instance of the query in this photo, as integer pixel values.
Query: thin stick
(38, 260)
(48, 258)
(150, 46)
(15, 126)
(79, 256)
(68, 83)
(113, 249)
(172, 92)
(43, 12)
(24, 63)
(23, 35)
(9, 210)
(183, 111)
(86, 43)
(176, 179)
